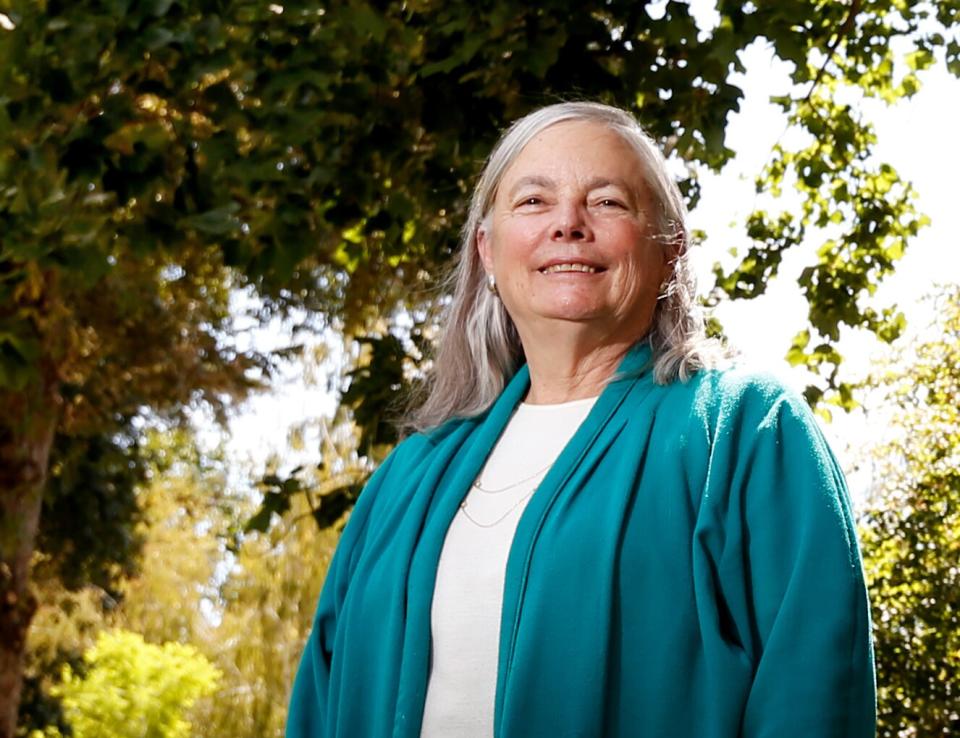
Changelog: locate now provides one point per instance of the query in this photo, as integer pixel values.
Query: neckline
(545, 407)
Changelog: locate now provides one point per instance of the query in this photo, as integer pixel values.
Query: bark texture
(28, 421)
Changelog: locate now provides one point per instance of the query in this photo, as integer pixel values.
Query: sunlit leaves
(772, 238)
(865, 216)
(911, 533)
(862, 213)
(130, 688)
(276, 131)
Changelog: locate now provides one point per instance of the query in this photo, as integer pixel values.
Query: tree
(154, 154)
(90, 338)
(130, 688)
(911, 534)
(179, 498)
(66, 625)
(244, 601)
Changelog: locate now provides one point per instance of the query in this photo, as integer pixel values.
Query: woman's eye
(531, 201)
(610, 203)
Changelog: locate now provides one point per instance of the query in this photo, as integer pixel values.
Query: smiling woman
(599, 529)
(481, 347)
(572, 247)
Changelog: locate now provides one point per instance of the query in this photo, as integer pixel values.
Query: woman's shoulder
(735, 414)
(416, 447)
(423, 441)
(409, 451)
(740, 392)
(741, 380)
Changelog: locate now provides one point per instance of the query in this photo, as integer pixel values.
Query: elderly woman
(598, 531)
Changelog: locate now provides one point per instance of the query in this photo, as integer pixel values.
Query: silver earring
(492, 284)
(664, 292)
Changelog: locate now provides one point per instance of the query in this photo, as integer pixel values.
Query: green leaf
(797, 356)
(157, 8)
(157, 37)
(273, 503)
(217, 222)
(19, 355)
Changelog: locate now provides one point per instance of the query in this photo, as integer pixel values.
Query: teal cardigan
(687, 569)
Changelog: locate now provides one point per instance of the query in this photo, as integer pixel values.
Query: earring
(664, 292)
(492, 284)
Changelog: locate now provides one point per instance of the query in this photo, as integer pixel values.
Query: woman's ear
(484, 248)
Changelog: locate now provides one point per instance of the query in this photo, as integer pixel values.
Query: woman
(597, 531)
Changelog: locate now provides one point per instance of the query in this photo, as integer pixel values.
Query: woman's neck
(560, 374)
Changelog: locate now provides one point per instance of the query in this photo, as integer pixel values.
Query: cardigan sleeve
(791, 574)
(308, 714)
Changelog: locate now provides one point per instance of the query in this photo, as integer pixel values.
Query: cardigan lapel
(602, 420)
(466, 464)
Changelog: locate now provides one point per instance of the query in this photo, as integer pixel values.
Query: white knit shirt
(465, 616)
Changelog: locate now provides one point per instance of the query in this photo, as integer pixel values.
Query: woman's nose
(571, 224)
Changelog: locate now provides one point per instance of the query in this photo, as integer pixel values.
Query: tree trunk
(28, 421)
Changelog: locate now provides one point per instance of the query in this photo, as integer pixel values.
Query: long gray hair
(479, 349)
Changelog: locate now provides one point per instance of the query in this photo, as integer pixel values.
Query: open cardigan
(688, 568)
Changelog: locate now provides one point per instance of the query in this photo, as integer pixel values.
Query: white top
(467, 600)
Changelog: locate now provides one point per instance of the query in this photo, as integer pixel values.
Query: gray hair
(479, 349)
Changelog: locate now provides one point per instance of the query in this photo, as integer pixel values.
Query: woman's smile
(568, 267)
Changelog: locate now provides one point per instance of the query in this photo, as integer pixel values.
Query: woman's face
(570, 235)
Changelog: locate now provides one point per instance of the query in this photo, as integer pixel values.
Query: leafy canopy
(326, 150)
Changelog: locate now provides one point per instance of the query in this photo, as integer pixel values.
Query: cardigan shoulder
(718, 416)
(741, 396)
(414, 448)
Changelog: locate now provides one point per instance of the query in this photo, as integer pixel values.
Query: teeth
(569, 268)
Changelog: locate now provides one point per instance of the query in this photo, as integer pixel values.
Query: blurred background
(223, 231)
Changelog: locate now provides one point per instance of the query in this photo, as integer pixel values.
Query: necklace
(480, 488)
(514, 506)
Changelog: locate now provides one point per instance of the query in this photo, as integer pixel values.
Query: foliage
(911, 535)
(327, 149)
(90, 507)
(244, 602)
(156, 155)
(861, 211)
(267, 605)
(129, 688)
(73, 612)
(348, 452)
(66, 625)
(185, 506)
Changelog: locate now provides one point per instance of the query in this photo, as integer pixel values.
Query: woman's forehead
(592, 153)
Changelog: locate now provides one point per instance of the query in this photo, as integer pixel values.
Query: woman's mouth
(571, 267)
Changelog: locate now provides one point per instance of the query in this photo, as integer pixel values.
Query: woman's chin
(568, 310)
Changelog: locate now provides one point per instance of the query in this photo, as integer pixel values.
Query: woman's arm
(308, 716)
(792, 579)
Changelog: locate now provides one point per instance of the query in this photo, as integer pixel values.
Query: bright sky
(918, 137)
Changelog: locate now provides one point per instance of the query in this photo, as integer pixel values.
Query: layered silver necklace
(478, 485)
